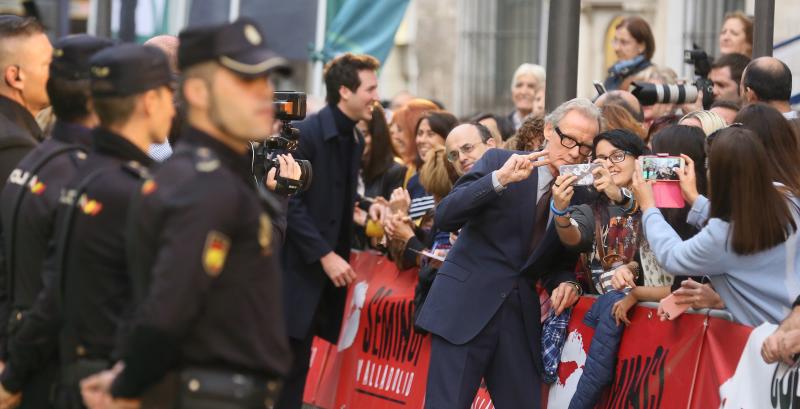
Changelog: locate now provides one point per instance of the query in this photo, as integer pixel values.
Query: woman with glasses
(608, 234)
(607, 231)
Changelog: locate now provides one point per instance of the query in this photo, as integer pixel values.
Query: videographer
(203, 254)
(320, 220)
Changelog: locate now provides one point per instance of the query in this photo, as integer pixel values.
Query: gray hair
(530, 69)
(582, 105)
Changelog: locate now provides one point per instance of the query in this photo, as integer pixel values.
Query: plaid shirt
(554, 333)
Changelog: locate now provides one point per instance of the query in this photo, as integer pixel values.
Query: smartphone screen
(661, 168)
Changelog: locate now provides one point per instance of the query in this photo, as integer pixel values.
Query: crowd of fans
(726, 240)
(725, 248)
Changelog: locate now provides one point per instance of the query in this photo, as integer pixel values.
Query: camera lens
(649, 93)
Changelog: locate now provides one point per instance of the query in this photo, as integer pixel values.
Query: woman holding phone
(749, 244)
(606, 231)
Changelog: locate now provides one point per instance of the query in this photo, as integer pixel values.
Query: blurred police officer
(25, 54)
(212, 317)
(29, 203)
(133, 101)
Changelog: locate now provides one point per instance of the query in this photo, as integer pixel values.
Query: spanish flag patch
(215, 252)
(38, 188)
(149, 187)
(92, 207)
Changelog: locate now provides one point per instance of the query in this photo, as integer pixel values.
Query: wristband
(556, 211)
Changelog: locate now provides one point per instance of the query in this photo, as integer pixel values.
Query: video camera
(649, 93)
(289, 106)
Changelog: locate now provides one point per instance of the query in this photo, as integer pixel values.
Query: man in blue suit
(316, 267)
(482, 309)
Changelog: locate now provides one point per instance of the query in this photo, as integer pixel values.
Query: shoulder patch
(137, 169)
(215, 252)
(149, 186)
(205, 160)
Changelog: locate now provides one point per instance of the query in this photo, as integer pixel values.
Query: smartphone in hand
(582, 172)
(671, 308)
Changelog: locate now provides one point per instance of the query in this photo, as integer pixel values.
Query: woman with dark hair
(779, 139)
(780, 144)
(675, 140)
(380, 174)
(607, 231)
(747, 245)
(431, 131)
(634, 46)
(608, 234)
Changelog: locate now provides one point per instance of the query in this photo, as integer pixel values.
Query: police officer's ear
(196, 92)
(13, 77)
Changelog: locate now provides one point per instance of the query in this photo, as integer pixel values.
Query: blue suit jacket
(492, 253)
(315, 219)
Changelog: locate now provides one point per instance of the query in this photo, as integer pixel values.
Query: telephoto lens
(649, 94)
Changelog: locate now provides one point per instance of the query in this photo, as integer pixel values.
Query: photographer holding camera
(320, 220)
(202, 255)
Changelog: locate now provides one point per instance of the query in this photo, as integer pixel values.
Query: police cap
(238, 46)
(71, 55)
(128, 69)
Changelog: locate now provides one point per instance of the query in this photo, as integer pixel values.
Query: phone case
(669, 306)
(668, 195)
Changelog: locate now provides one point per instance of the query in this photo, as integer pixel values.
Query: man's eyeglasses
(466, 148)
(570, 142)
(615, 157)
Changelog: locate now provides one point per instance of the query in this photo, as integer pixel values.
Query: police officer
(213, 311)
(133, 100)
(28, 209)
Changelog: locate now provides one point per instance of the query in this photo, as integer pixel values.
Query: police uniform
(91, 288)
(207, 242)
(28, 209)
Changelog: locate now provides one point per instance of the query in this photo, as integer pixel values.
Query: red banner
(381, 360)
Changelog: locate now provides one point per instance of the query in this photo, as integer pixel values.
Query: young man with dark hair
(320, 220)
(25, 54)
(726, 73)
(30, 199)
(768, 80)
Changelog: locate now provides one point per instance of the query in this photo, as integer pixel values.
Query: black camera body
(289, 106)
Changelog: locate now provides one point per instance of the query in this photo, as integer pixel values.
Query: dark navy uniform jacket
(89, 294)
(205, 247)
(28, 210)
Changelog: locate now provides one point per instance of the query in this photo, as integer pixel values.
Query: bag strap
(15, 213)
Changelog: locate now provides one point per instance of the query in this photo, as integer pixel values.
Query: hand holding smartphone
(670, 307)
(663, 169)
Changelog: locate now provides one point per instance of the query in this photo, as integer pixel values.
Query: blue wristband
(556, 211)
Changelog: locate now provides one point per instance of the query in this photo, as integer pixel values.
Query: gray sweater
(756, 288)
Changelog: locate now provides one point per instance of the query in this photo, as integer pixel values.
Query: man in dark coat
(25, 54)
(316, 256)
(481, 310)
